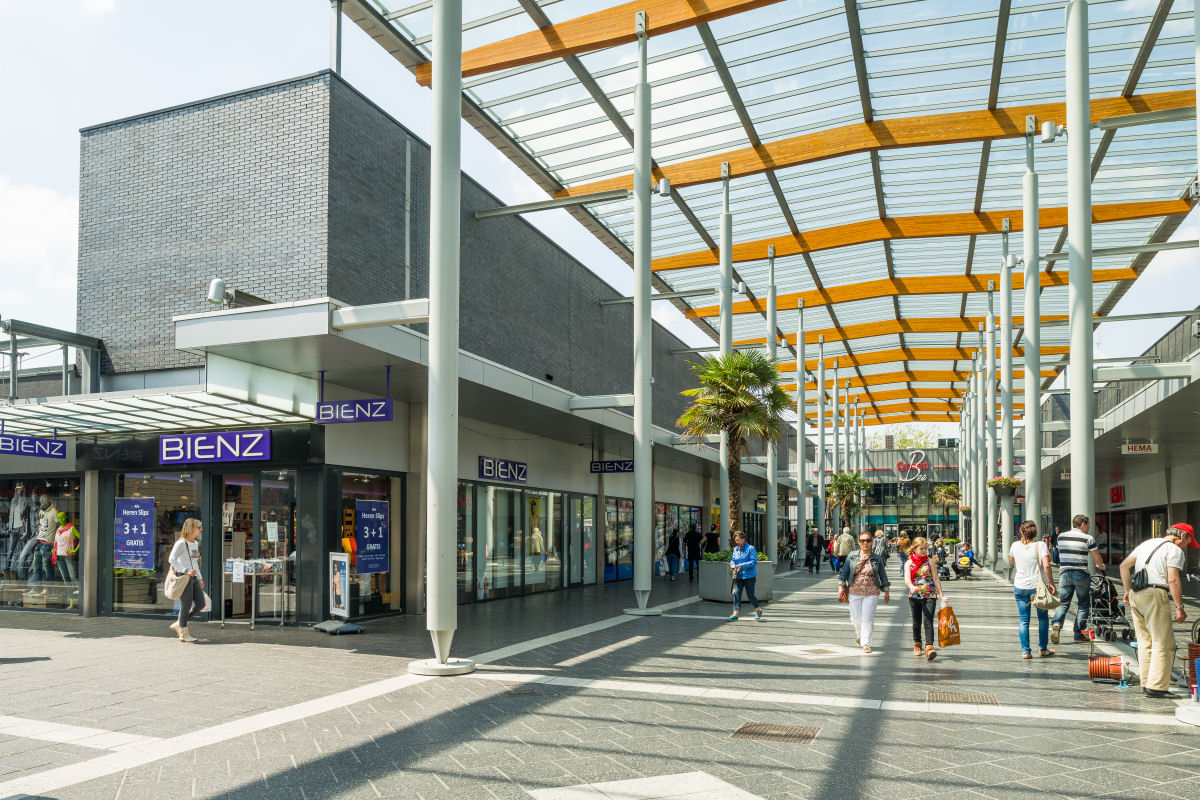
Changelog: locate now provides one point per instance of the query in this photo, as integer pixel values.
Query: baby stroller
(1107, 614)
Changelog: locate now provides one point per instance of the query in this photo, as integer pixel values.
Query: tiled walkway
(578, 702)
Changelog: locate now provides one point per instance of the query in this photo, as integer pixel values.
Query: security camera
(1196, 328)
(664, 187)
(216, 291)
(1051, 131)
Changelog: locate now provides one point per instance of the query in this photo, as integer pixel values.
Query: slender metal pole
(441, 506)
(964, 462)
(66, 380)
(335, 36)
(993, 506)
(1006, 405)
(772, 450)
(643, 452)
(1079, 261)
(726, 337)
(837, 444)
(981, 468)
(821, 455)
(12, 365)
(801, 424)
(1032, 335)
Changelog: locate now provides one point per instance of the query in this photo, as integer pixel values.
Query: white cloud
(39, 229)
(98, 7)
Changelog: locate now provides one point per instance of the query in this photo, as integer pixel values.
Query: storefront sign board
(133, 533)
(501, 469)
(339, 585)
(11, 445)
(375, 410)
(1139, 448)
(372, 536)
(215, 447)
(915, 468)
(622, 465)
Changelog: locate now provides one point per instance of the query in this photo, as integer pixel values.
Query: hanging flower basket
(964, 510)
(1004, 487)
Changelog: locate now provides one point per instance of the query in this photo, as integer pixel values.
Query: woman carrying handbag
(1031, 558)
(184, 556)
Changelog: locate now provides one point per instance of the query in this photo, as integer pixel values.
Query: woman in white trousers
(862, 579)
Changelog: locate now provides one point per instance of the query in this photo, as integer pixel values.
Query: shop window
(543, 545)
(366, 514)
(148, 513)
(39, 543)
(500, 542)
(465, 540)
(618, 539)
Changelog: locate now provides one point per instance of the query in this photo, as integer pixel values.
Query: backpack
(879, 547)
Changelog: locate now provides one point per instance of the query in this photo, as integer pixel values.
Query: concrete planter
(714, 581)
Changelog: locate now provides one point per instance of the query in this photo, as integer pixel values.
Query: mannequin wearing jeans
(44, 547)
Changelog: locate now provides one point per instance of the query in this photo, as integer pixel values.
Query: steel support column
(821, 458)
(726, 337)
(990, 398)
(335, 36)
(1006, 405)
(801, 467)
(772, 448)
(441, 504)
(1079, 260)
(837, 444)
(1031, 339)
(643, 443)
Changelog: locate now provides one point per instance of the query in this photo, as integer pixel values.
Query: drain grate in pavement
(776, 733)
(522, 692)
(970, 698)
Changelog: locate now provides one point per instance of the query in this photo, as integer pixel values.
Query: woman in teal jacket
(744, 564)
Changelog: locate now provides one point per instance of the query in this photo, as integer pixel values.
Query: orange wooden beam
(909, 354)
(961, 126)
(895, 326)
(916, 227)
(910, 376)
(607, 28)
(904, 287)
(892, 408)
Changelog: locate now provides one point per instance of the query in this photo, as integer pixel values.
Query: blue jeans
(748, 585)
(42, 573)
(1078, 583)
(672, 564)
(1024, 596)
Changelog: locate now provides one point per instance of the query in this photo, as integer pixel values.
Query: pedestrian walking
(691, 549)
(880, 547)
(902, 546)
(842, 547)
(674, 552)
(744, 564)
(814, 545)
(1031, 558)
(924, 591)
(862, 580)
(1155, 566)
(711, 543)
(1074, 581)
(184, 559)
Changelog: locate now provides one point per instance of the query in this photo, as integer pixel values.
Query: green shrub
(725, 555)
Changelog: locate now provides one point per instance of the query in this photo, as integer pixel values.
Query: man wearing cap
(1155, 606)
(1073, 579)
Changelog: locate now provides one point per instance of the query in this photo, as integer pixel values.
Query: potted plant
(964, 510)
(1004, 487)
(715, 583)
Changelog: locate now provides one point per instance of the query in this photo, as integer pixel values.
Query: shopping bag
(947, 627)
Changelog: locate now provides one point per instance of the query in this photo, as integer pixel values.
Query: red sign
(1116, 495)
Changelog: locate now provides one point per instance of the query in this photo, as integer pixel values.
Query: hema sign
(11, 445)
(214, 448)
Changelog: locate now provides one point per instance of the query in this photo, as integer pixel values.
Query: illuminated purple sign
(32, 446)
(354, 411)
(213, 448)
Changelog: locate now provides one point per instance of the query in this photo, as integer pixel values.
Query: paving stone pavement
(628, 698)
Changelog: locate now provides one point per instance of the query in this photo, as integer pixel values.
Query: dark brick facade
(296, 190)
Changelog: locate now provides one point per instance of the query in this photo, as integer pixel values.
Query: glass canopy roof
(782, 70)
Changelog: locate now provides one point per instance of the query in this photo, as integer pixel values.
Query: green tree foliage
(844, 492)
(906, 436)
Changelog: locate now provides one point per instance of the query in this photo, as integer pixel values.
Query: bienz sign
(501, 469)
(354, 411)
(212, 448)
(11, 445)
(915, 469)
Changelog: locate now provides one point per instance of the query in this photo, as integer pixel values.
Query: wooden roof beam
(602, 29)
(934, 129)
(907, 354)
(887, 327)
(915, 227)
(907, 376)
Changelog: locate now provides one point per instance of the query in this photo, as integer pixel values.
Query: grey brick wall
(296, 190)
(232, 187)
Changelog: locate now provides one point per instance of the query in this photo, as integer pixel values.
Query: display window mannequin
(66, 550)
(43, 548)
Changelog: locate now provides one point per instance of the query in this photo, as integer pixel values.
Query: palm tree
(946, 495)
(739, 394)
(845, 492)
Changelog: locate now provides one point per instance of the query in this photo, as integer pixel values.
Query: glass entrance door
(237, 542)
(275, 545)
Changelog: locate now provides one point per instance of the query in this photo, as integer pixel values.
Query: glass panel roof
(786, 70)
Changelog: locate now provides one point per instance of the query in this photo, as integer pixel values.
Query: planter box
(714, 581)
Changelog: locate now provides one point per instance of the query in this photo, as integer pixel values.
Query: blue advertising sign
(371, 535)
(501, 469)
(32, 446)
(623, 465)
(213, 448)
(133, 533)
(354, 411)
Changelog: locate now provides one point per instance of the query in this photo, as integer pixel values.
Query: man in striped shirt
(1074, 548)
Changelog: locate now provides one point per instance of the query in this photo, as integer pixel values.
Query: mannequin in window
(66, 549)
(19, 531)
(536, 542)
(43, 549)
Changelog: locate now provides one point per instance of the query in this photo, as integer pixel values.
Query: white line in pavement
(822, 621)
(603, 651)
(70, 734)
(834, 701)
(130, 756)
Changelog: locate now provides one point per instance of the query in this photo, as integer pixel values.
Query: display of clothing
(47, 524)
(18, 512)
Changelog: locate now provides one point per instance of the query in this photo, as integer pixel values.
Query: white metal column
(989, 543)
(821, 415)
(981, 505)
(772, 448)
(726, 337)
(335, 36)
(643, 443)
(801, 424)
(1006, 405)
(964, 461)
(1079, 261)
(837, 444)
(1032, 337)
(441, 503)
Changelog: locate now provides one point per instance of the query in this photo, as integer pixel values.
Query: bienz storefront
(903, 487)
(88, 524)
